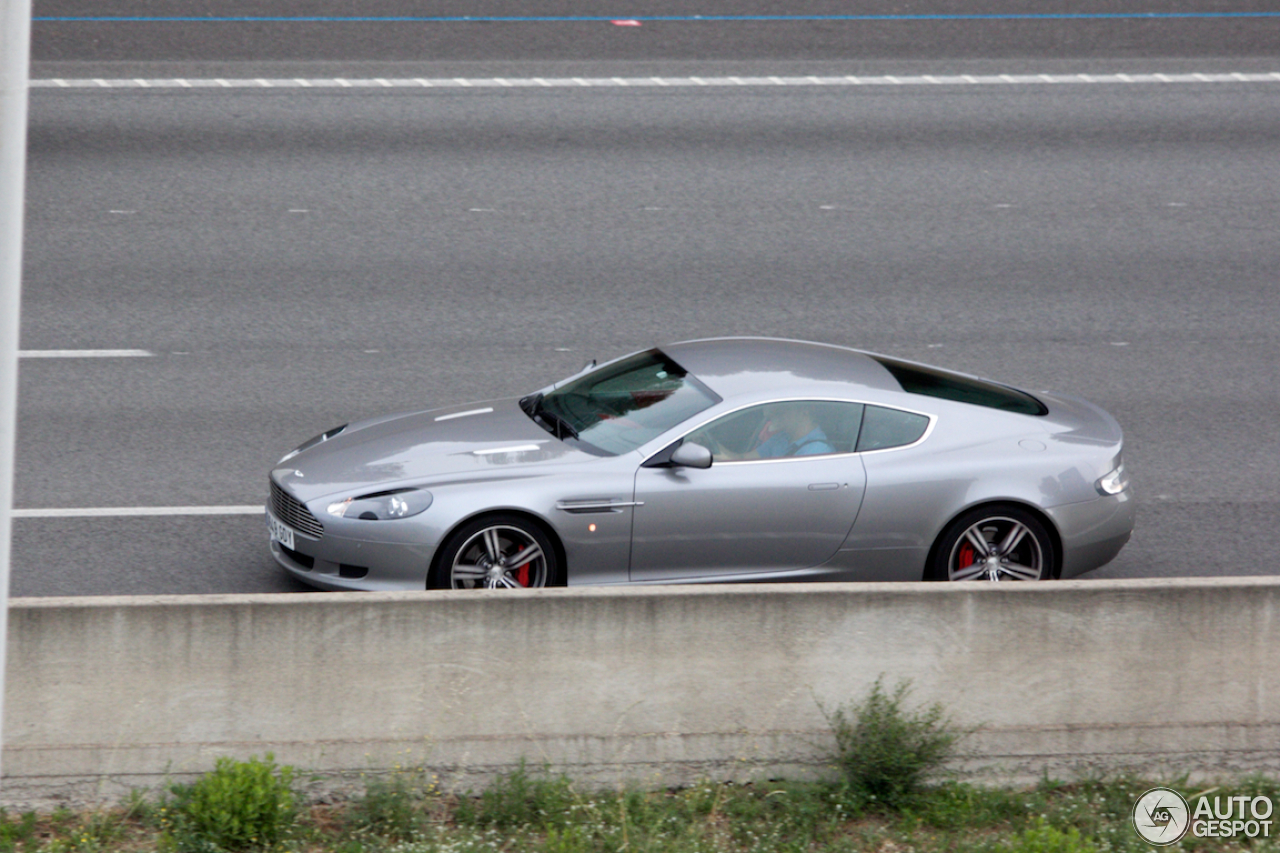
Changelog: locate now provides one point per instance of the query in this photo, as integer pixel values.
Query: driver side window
(782, 430)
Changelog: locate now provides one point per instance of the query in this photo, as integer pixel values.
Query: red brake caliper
(522, 573)
(965, 557)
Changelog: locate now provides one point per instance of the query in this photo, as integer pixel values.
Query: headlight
(1115, 482)
(312, 442)
(382, 506)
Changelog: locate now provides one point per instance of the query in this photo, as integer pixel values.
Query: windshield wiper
(547, 419)
(562, 426)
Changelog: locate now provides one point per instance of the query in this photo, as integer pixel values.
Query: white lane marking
(377, 83)
(125, 511)
(465, 414)
(84, 353)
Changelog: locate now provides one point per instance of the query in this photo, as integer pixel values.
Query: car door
(750, 513)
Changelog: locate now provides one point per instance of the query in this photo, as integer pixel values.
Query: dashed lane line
(482, 83)
(85, 353)
(135, 511)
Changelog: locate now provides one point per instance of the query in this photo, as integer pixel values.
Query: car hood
(476, 441)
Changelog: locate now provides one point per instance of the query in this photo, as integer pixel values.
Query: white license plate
(279, 532)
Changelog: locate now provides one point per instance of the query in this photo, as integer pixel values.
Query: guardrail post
(15, 51)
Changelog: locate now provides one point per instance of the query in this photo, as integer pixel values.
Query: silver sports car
(736, 459)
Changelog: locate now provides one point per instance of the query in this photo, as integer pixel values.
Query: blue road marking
(521, 19)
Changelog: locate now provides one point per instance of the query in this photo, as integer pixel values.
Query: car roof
(733, 367)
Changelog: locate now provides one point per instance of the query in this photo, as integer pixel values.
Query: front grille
(290, 510)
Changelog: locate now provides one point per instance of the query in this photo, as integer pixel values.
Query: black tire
(1016, 546)
(484, 554)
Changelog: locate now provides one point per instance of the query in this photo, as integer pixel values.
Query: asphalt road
(492, 31)
(295, 259)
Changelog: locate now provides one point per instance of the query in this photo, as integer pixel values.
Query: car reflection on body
(736, 459)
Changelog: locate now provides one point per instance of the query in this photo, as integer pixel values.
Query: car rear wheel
(496, 552)
(994, 543)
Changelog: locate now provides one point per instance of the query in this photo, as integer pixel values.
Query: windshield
(621, 406)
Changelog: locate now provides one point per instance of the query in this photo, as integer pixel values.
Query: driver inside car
(791, 431)
(781, 430)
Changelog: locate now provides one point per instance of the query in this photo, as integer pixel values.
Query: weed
(953, 805)
(239, 805)
(521, 800)
(1044, 838)
(885, 752)
(390, 808)
(16, 831)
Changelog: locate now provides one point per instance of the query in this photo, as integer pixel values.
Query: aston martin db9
(736, 459)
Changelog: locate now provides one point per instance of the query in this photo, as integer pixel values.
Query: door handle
(823, 487)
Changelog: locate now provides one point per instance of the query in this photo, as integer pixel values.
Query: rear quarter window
(883, 428)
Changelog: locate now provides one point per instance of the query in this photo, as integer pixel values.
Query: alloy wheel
(997, 549)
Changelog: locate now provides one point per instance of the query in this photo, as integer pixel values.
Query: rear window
(932, 382)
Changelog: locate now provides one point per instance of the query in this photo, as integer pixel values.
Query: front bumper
(338, 563)
(1093, 532)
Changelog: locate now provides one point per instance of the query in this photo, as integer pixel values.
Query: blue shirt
(780, 444)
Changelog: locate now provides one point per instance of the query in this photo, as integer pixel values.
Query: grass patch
(536, 812)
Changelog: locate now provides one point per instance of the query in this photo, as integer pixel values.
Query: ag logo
(1161, 817)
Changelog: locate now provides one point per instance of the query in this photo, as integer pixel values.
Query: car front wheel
(994, 543)
(496, 552)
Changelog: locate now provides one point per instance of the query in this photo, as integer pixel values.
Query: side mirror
(689, 455)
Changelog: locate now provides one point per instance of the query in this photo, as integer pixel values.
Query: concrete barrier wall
(654, 685)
